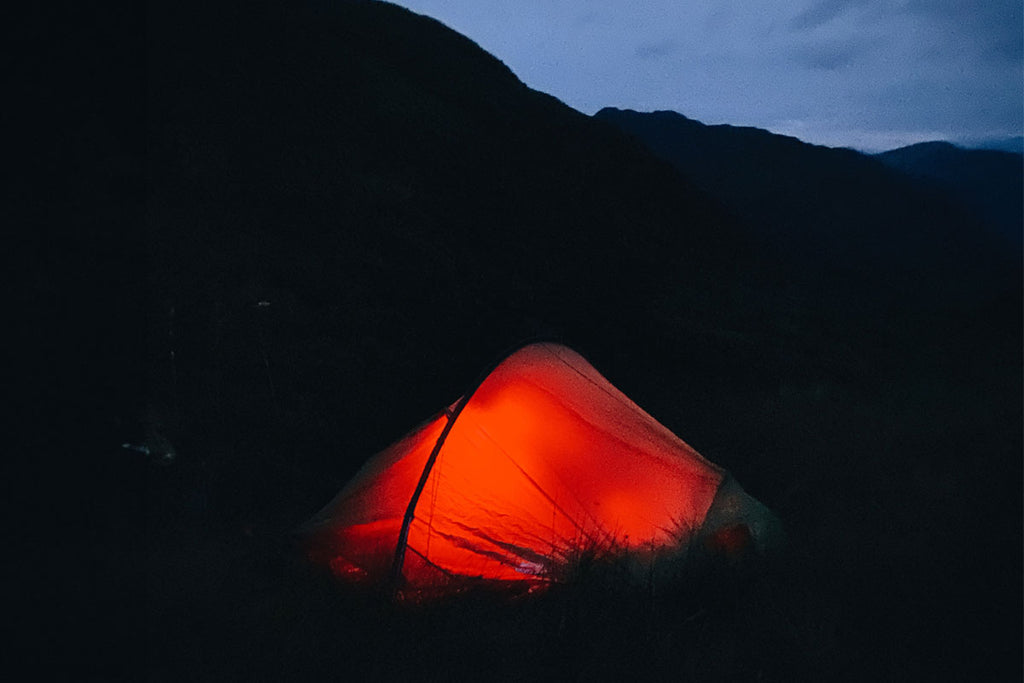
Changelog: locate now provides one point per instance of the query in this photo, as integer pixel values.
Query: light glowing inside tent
(546, 459)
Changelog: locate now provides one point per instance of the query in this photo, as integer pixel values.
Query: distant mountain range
(1014, 144)
(898, 220)
(988, 182)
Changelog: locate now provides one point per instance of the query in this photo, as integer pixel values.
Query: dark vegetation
(350, 210)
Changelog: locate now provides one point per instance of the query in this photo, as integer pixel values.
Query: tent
(541, 461)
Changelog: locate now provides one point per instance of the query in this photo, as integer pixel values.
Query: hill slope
(352, 210)
(989, 182)
(407, 209)
(825, 209)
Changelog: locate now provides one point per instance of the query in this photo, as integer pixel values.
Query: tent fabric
(545, 460)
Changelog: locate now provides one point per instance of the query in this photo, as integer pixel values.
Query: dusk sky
(868, 74)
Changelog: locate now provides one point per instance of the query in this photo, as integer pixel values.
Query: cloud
(988, 30)
(1004, 50)
(960, 11)
(830, 56)
(657, 49)
(821, 12)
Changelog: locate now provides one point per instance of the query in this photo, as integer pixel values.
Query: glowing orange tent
(543, 460)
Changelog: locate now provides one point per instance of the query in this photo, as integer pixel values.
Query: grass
(899, 493)
(271, 616)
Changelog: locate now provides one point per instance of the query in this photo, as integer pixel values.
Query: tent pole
(395, 579)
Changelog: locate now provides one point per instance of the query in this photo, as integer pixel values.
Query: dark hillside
(989, 182)
(832, 211)
(350, 210)
(405, 207)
